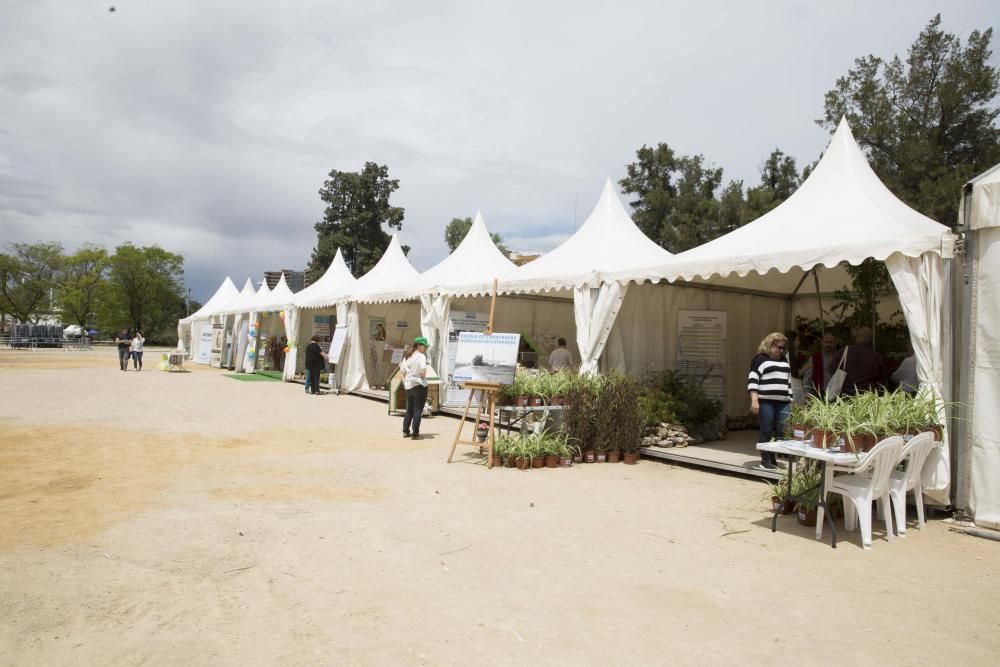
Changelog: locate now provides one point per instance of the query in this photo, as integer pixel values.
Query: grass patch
(253, 377)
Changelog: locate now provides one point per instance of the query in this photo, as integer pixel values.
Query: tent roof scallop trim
(391, 271)
(224, 295)
(841, 213)
(608, 242)
(460, 273)
(324, 292)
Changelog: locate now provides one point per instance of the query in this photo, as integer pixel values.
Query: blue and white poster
(483, 357)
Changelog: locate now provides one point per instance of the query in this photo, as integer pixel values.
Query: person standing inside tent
(770, 386)
(866, 369)
(136, 349)
(560, 357)
(817, 371)
(414, 368)
(124, 343)
(315, 361)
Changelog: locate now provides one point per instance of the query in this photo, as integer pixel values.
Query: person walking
(414, 368)
(770, 386)
(136, 348)
(124, 343)
(315, 361)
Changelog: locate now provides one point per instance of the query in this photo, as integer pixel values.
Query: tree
(675, 202)
(27, 278)
(144, 290)
(779, 178)
(456, 230)
(81, 282)
(927, 123)
(357, 205)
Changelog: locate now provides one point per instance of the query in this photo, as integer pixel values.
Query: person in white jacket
(136, 349)
(414, 368)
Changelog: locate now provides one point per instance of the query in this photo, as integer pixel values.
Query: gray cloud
(209, 127)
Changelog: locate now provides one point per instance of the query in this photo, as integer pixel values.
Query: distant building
(522, 258)
(296, 280)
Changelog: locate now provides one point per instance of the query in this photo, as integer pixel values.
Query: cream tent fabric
(277, 299)
(328, 290)
(391, 271)
(462, 273)
(321, 294)
(192, 324)
(607, 243)
(981, 212)
(842, 212)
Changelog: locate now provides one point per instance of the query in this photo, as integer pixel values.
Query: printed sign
(337, 344)
(701, 349)
(485, 357)
(204, 346)
(454, 394)
(402, 324)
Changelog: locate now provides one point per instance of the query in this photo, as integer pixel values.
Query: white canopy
(607, 243)
(223, 296)
(325, 292)
(461, 273)
(277, 298)
(248, 300)
(842, 212)
(391, 271)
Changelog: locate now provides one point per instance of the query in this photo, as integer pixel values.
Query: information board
(204, 354)
(701, 350)
(483, 357)
(454, 394)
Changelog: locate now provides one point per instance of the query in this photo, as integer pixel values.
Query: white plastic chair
(861, 489)
(901, 482)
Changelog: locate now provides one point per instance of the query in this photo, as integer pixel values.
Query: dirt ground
(190, 519)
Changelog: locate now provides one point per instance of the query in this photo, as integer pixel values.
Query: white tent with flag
(841, 213)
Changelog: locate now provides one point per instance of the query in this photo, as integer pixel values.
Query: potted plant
(797, 418)
(482, 431)
(569, 454)
(775, 492)
(537, 451)
(579, 416)
(551, 445)
(853, 424)
(822, 422)
(805, 486)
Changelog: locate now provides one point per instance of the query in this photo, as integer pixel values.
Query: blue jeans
(136, 360)
(415, 399)
(307, 379)
(771, 418)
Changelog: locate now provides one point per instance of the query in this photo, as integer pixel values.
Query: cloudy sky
(208, 127)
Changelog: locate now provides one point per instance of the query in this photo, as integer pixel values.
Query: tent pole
(791, 301)
(819, 300)
(493, 304)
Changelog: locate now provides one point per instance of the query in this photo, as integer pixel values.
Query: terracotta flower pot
(614, 456)
(565, 461)
(602, 457)
(578, 458)
(824, 439)
(496, 461)
(863, 442)
(782, 506)
(522, 463)
(538, 462)
(551, 460)
(631, 458)
(590, 456)
(557, 400)
(510, 462)
(799, 432)
(521, 401)
(807, 517)
(537, 401)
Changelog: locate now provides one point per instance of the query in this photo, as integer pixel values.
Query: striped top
(770, 378)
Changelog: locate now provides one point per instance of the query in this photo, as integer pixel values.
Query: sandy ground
(187, 519)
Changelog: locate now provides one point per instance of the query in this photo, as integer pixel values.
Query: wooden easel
(487, 396)
(487, 393)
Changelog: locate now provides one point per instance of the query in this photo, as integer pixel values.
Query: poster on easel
(701, 350)
(486, 358)
(454, 394)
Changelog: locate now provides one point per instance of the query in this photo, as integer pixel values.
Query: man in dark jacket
(124, 343)
(865, 368)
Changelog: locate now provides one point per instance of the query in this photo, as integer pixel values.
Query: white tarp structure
(324, 293)
(607, 243)
(460, 274)
(193, 323)
(979, 383)
(391, 271)
(252, 309)
(841, 213)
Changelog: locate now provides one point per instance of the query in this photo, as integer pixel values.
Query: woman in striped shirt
(770, 387)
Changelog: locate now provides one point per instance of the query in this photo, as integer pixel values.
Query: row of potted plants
(532, 450)
(603, 416)
(856, 423)
(531, 387)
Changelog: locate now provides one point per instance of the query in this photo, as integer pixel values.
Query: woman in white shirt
(415, 382)
(136, 348)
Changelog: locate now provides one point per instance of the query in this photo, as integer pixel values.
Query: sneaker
(767, 466)
(416, 436)
(406, 434)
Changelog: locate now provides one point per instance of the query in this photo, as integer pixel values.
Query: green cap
(420, 340)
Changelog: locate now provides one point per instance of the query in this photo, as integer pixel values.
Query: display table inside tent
(397, 394)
